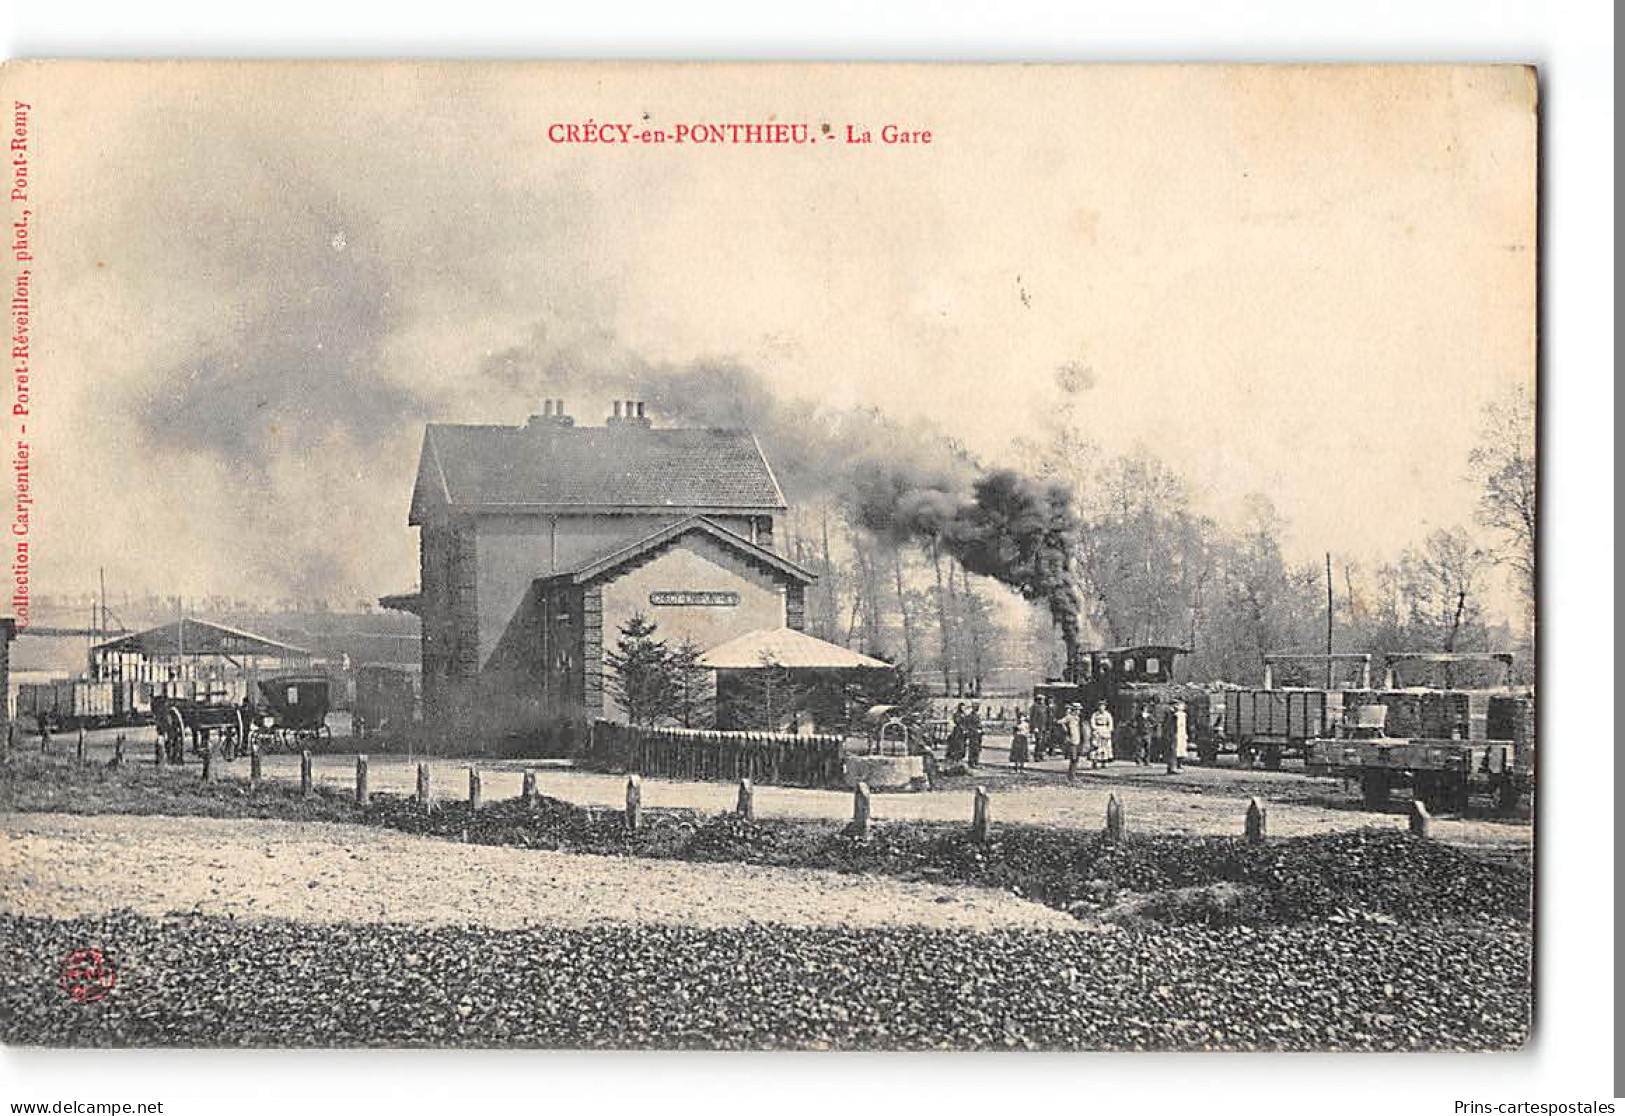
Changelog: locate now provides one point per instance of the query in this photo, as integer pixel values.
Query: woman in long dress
(1101, 727)
(1018, 743)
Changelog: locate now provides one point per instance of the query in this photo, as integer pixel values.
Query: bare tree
(1503, 466)
(903, 601)
(1441, 580)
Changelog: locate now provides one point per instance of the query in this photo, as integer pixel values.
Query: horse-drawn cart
(291, 712)
(205, 723)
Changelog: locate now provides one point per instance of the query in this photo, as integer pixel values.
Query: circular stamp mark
(87, 976)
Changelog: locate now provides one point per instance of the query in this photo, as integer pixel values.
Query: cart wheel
(237, 741)
(173, 730)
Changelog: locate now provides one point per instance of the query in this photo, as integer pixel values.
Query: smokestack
(640, 408)
(547, 407)
(617, 415)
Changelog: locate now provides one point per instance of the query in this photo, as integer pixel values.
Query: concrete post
(634, 801)
(361, 788)
(306, 780)
(979, 815)
(1114, 819)
(118, 750)
(528, 791)
(425, 801)
(476, 790)
(1421, 820)
(79, 747)
(747, 800)
(255, 768)
(1257, 822)
(860, 810)
(208, 763)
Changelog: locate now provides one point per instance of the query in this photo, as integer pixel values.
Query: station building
(538, 542)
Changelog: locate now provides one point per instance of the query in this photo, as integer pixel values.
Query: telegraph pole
(1328, 619)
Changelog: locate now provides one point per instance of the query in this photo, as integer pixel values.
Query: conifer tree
(640, 671)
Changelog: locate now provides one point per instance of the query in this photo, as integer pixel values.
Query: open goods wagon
(81, 703)
(1270, 723)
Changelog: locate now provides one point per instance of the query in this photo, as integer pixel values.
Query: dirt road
(1201, 801)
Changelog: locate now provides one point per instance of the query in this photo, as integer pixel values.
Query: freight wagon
(386, 700)
(68, 704)
(71, 703)
(1444, 743)
(1271, 723)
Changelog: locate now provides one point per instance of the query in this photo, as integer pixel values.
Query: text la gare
(889, 134)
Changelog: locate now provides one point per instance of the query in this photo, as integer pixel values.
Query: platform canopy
(788, 649)
(199, 637)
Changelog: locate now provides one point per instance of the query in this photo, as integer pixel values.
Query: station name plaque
(704, 597)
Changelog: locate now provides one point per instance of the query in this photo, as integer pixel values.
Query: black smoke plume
(1018, 531)
(900, 481)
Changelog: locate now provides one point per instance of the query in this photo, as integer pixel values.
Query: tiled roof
(547, 466)
(786, 647)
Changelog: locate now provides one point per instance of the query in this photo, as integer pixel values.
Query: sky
(257, 283)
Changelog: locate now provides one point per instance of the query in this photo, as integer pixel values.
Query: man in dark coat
(973, 729)
(1038, 727)
(1145, 736)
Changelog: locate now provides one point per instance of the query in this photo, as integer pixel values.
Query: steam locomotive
(1129, 679)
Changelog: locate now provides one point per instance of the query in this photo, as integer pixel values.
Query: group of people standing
(965, 738)
(1050, 727)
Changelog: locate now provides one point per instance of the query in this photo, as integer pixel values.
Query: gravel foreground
(204, 981)
(67, 866)
(1359, 940)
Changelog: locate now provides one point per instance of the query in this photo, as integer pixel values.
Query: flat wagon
(1445, 744)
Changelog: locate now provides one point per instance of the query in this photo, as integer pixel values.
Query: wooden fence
(698, 754)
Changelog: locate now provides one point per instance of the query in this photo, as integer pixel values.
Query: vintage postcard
(745, 557)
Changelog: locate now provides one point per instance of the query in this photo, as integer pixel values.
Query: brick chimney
(629, 412)
(552, 415)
